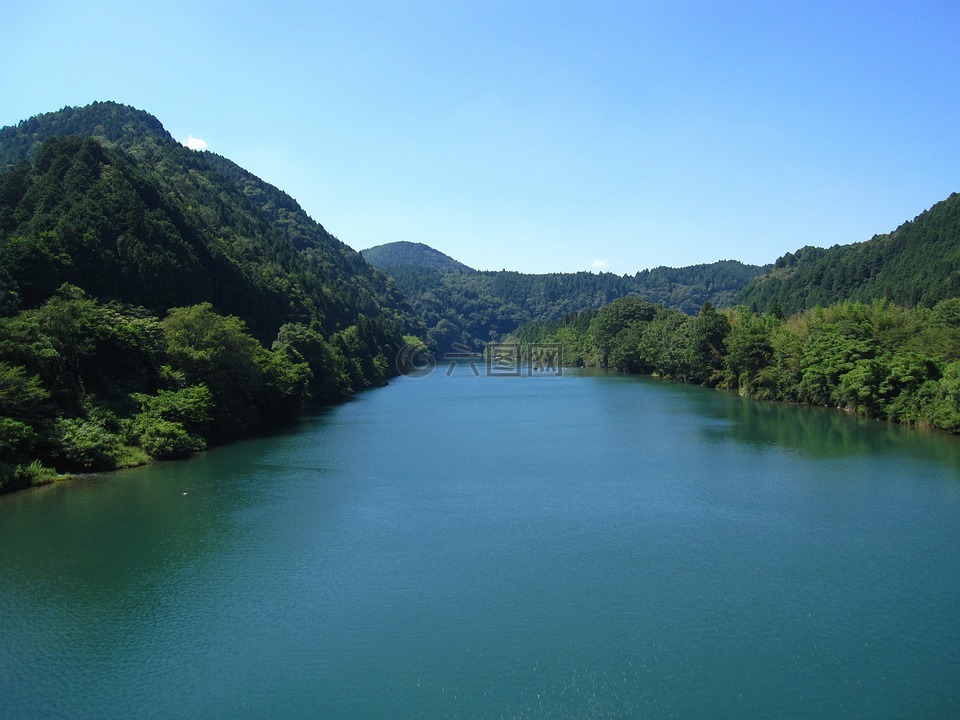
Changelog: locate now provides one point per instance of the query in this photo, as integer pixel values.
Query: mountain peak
(112, 122)
(395, 254)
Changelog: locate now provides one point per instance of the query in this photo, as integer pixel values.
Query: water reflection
(824, 433)
(164, 513)
(814, 432)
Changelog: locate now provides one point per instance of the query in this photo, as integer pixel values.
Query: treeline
(916, 264)
(86, 385)
(876, 359)
(476, 307)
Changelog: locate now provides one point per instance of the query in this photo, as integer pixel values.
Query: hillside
(154, 299)
(472, 308)
(237, 238)
(918, 264)
(396, 254)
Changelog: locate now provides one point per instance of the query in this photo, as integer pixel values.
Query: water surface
(464, 547)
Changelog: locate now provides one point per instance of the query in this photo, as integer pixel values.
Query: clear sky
(540, 136)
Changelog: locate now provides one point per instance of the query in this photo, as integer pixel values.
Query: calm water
(461, 547)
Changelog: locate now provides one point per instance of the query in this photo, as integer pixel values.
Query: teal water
(462, 547)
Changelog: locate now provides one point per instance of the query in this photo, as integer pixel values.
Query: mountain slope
(395, 254)
(203, 228)
(916, 264)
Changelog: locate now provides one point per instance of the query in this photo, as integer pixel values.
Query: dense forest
(155, 299)
(471, 307)
(916, 264)
(876, 359)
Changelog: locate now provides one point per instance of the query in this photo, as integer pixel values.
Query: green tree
(23, 411)
(328, 379)
(703, 346)
(613, 320)
(748, 349)
(839, 339)
(173, 423)
(663, 343)
(85, 445)
(939, 400)
(218, 352)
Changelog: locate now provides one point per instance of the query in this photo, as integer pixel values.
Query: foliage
(88, 386)
(84, 444)
(878, 360)
(609, 324)
(173, 423)
(17, 477)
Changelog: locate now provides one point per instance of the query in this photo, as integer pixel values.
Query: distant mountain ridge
(475, 307)
(394, 254)
(918, 263)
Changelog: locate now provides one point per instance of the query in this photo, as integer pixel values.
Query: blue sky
(536, 136)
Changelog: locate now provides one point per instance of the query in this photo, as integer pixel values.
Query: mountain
(463, 305)
(161, 225)
(154, 299)
(918, 264)
(395, 254)
(473, 308)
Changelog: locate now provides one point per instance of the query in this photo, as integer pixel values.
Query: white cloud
(600, 263)
(195, 143)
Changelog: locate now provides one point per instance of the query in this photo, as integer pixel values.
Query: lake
(584, 546)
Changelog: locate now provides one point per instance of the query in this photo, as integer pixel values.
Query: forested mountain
(392, 255)
(154, 298)
(916, 264)
(159, 219)
(472, 308)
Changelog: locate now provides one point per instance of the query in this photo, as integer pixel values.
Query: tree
(748, 348)
(663, 343)
(614, 319)
(703, 342)
(939, 400)
(23, 406)
(218, 352)
(173, 423)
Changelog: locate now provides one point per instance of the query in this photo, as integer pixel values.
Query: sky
(540, 136)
